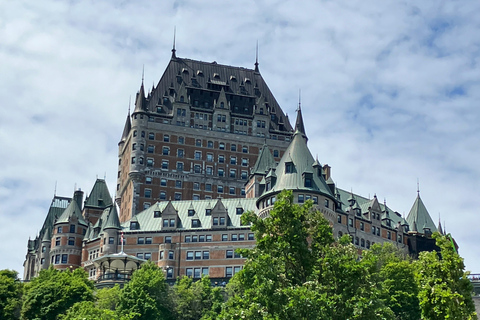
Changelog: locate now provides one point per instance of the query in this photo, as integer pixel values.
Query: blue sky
(390, 94)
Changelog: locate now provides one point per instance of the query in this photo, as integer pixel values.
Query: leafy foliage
(147, 295)
(196, 299)
(444, 289)
(54, 292)
(10, 295)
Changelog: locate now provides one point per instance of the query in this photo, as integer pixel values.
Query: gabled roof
(147, 221)
(58, 205)
(99, 196)
(420, 216)
(264, 162)
(298, 154)
(73, 210)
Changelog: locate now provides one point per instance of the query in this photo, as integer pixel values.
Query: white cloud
(389, 93)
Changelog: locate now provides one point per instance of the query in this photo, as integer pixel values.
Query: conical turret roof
(99, 196)
(299, 160)
(265, 161)
(299, 126)
(112, 220)
(126, 128)
(420, 216)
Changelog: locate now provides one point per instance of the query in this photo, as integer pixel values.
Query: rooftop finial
(299, 98)
(143, 73)
(55, 191)
(129, 103)
(174, 36)
(256, 58)
(418, 187)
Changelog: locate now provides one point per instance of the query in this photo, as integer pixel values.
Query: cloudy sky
(390, 94)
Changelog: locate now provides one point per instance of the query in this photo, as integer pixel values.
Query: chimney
(78, 197)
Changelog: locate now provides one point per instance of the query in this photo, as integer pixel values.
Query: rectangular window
(189, 255)
(172, 223)
(189, 272)
(234, 237)
(233, 173)
(208, 187)
(59, 229)
(228, 272)
(179, 166)
(220, 172)
(241, 237)
(215, 221)
(198, 255)
(206, 255)
(362, 226)
(188, 239)
(71, 241)
(197, 273)
(162, 255)
(194, 238)
(301, 198)
(339, 219)
(148, 180)
(151, 136)
(148, 193)
(209, 171)
(198, 155)
(140, 240)
(165, 151)
(165, 223)
(224, 237)
(251, 236)
(111, 240)
(72, 228)
(180, 153)
(222, 221)
(165, 164)
(229, 254)
(147, 256)
(181, 140)
(170, 255)
(178, 196)
(148, 240)
(169, 273)
(168, 239)
(232, 190)
(195, 223)
(350, 222)
(208, 238)
(140, 255)
(201, 238)
(163, 195)
(64, 258)
(57, 241)
(233, 160)
(205, 271)
(163, 182)
(150, 148)
(57, 259)
(166, 138)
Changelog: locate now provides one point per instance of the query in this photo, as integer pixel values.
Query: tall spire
(256, 58)
(173, 48)
(299, 126)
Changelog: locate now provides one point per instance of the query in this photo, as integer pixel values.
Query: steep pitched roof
(242, 87)
(299, 155)
(73, 210)
(126, 128)
(58, 205)
(99, 196)
(420, 216)
(112, 220)
(299, 126)
(264, 162)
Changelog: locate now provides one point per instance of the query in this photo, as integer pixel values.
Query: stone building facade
(208, 143)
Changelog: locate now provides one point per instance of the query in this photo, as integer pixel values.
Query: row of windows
(238, 237)
(230, 271)
(375, 230)
(231, 254)
(198, 255)
(71, 242)
(178, 195)
(146, 255)
(195, 272)
(71, 229)
(200, 238)
(59, 259)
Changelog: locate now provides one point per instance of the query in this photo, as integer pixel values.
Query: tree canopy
(10, 295)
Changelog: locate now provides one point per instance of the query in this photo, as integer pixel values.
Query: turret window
(289, 167)
(57, 241)
(64, 258)
(301, 198)
(71, 241)
(111, 240)
(44, 248)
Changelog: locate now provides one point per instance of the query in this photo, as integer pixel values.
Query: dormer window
(208, 212)
(134, 225)
(307, 180)
(216, 76)
(239, 210)
(289, 167)
(191, 212)
(358, 212)
(156, 214)
(196, 223)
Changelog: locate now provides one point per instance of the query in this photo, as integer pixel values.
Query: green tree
(396, 275)
(10, 295)
(53, 292)
(108, 298)
(297, 271)
(196, 299)
(88, 310)
(444, 289)
(147, 295)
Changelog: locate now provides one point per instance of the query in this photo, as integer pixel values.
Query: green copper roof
(112, 220)
(300, 160)
(58, 205)
(420, 216)
(264, 162)
(147, 221)
(99, 196)
(72, 211)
